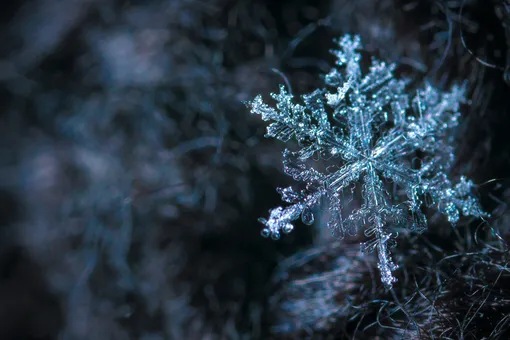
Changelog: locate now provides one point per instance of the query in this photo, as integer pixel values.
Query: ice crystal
(373, 132)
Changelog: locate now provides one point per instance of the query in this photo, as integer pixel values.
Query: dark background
(132, 174)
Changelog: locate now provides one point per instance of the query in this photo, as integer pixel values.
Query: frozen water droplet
(275, 235)
(265, 232)
(307, 216)
(288, 228)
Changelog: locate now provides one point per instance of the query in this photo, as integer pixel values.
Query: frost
(376, 135)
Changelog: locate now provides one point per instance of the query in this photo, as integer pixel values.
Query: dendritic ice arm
(376, 133)
(302, 202)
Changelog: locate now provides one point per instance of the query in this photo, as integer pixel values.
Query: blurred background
(132, 174)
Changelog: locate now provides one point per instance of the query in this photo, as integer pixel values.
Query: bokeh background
(132, 174)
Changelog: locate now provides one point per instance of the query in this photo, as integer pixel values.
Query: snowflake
(378, 135)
